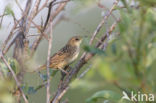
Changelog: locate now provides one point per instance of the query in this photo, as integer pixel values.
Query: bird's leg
(69, 69)
(64, 71)
(63, 74)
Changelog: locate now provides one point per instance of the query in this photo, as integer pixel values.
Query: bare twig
(43, 6)
(48, 61)
(22, 24)
(19, 5)
(14, 76)
(101, 42)
(37, 41)
(49, 30)
(102, 22)
(40, 30)
(59, 2)
(33, 14)
(10, 36)
(49, 14)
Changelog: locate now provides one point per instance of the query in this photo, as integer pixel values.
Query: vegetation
(120, 58)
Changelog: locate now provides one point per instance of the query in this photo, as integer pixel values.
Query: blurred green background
(128, 63)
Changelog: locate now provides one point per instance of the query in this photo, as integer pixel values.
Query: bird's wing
(57, 58)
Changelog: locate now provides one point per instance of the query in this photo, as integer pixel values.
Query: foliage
(8, 10)
(106, 94)
(129, 60)
(14, 65)
(128, 63)
(93, 50)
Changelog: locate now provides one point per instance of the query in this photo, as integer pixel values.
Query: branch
(19, 5)
(15, 78)
(9, 37)
(103, 21)
(49, 13)
(83, 60)
(48, 61)
(101, 44)
(37, 41)
(21, 22)
(33, 14)
(59, 2)
(25, 13)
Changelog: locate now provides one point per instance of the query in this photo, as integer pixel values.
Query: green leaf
(105, 94)
(43, 76)
(8, 10)
(31, 90)
(14, 65)
(94, 50)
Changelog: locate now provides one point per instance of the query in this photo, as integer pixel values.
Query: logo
(138, 96)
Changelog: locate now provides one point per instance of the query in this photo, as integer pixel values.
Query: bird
(65, 56)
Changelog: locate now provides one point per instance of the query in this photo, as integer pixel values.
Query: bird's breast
(74, 56)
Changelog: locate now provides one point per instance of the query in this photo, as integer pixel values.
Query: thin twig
(48, 61)
(21, 22)
(33, 14)
(59, 2)
(49, 30)
(19, 6)
(40, 30)
(102, 22)
(43, 6)
(14, 76)
(102, 45)
(57, 11)
(9, 37)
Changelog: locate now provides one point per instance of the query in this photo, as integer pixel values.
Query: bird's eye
(77, 39)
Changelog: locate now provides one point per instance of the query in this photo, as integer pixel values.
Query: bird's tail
(41, 68)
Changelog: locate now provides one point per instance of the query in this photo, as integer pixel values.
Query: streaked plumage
(66, 55)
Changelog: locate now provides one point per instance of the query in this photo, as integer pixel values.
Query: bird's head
(75, 41)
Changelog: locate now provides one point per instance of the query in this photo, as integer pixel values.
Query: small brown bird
(66, 55)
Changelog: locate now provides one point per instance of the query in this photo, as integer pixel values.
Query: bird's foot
(64, 71)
